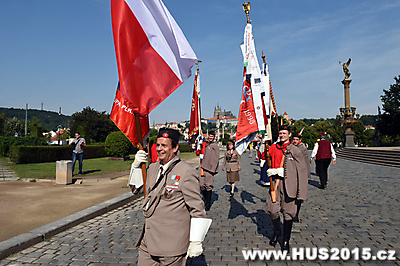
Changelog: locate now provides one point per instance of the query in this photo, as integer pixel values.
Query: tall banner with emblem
(195, 111)
(247, 127)
(253, 69)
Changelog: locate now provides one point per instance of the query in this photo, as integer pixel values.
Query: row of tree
(95, 126)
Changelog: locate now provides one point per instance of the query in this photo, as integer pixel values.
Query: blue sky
(61, 53)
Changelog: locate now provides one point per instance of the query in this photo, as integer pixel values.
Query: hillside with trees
(48, 119)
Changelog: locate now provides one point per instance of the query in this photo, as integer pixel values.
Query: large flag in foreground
(195, 111)
(247, 127)
(153, 56)
(124, 118)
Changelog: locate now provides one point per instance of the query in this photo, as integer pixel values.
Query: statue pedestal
(349, 138)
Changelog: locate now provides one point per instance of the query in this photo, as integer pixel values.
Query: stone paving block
(347, 214)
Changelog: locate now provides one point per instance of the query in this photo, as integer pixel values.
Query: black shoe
(322, 187)
(277, 232)
(286, 246)
(296, 219)
(231, 195)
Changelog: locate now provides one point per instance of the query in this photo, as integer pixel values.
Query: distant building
(286, 116)
(219, 113)
(369, 127)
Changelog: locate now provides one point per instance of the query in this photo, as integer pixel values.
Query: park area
(35, 199)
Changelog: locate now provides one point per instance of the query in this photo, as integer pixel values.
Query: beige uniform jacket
(167, 229)
(296, 176)
(232, 162)
(303, 149)
(211, 158)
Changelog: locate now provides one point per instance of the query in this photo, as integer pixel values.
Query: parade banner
(153, 56)
(195, 112)
(124, 118)
(253, 69)
(266, 99)
(247, 127)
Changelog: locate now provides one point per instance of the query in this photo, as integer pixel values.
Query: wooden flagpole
(140, 140)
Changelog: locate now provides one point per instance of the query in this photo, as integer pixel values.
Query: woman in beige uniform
(233, 165)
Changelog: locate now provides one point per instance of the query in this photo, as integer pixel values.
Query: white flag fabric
(253, 68)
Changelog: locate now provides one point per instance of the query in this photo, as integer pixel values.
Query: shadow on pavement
(259, 218)
(313, 183)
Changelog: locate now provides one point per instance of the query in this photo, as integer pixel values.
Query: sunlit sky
(61, 53)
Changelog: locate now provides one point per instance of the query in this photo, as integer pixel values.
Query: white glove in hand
(262, 162)
(140, 157)
(195, 249)
(201, 156)
(272, 171)
(281, 172)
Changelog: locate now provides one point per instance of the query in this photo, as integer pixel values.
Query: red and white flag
(247, 127)
(123, 116)
(153, 56)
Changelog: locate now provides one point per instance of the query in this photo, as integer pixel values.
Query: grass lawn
(90, 167)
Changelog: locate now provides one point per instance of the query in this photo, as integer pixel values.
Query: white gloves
(195, 249)
(140, 157)
(276, 171)
(280, 172)
(198, 230)
(201, 156)
(272, 171)
(262, 162)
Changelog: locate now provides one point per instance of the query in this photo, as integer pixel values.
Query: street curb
(23, 241)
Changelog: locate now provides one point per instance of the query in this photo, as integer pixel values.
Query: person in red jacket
(323, 153)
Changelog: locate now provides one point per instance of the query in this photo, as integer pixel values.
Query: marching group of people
(177, 196)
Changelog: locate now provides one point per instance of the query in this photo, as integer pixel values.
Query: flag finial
(246, 8)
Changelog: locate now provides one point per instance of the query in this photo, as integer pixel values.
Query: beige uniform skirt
(232, 176)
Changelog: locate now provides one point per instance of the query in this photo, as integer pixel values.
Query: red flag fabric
(124, 118)
(195, 110)
(247, 125)
(153, 56)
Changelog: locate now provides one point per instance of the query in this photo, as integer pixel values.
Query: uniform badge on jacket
(172, 186)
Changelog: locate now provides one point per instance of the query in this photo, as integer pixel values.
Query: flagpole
(140, 140)
(198, 97)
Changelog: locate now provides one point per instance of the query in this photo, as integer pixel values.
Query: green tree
(35, 128)
(92, 125)
(14, 126)
(363, 136)
(118, 145)
(3, 123)
(388, 122)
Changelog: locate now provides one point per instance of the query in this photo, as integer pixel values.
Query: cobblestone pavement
(359, 209)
